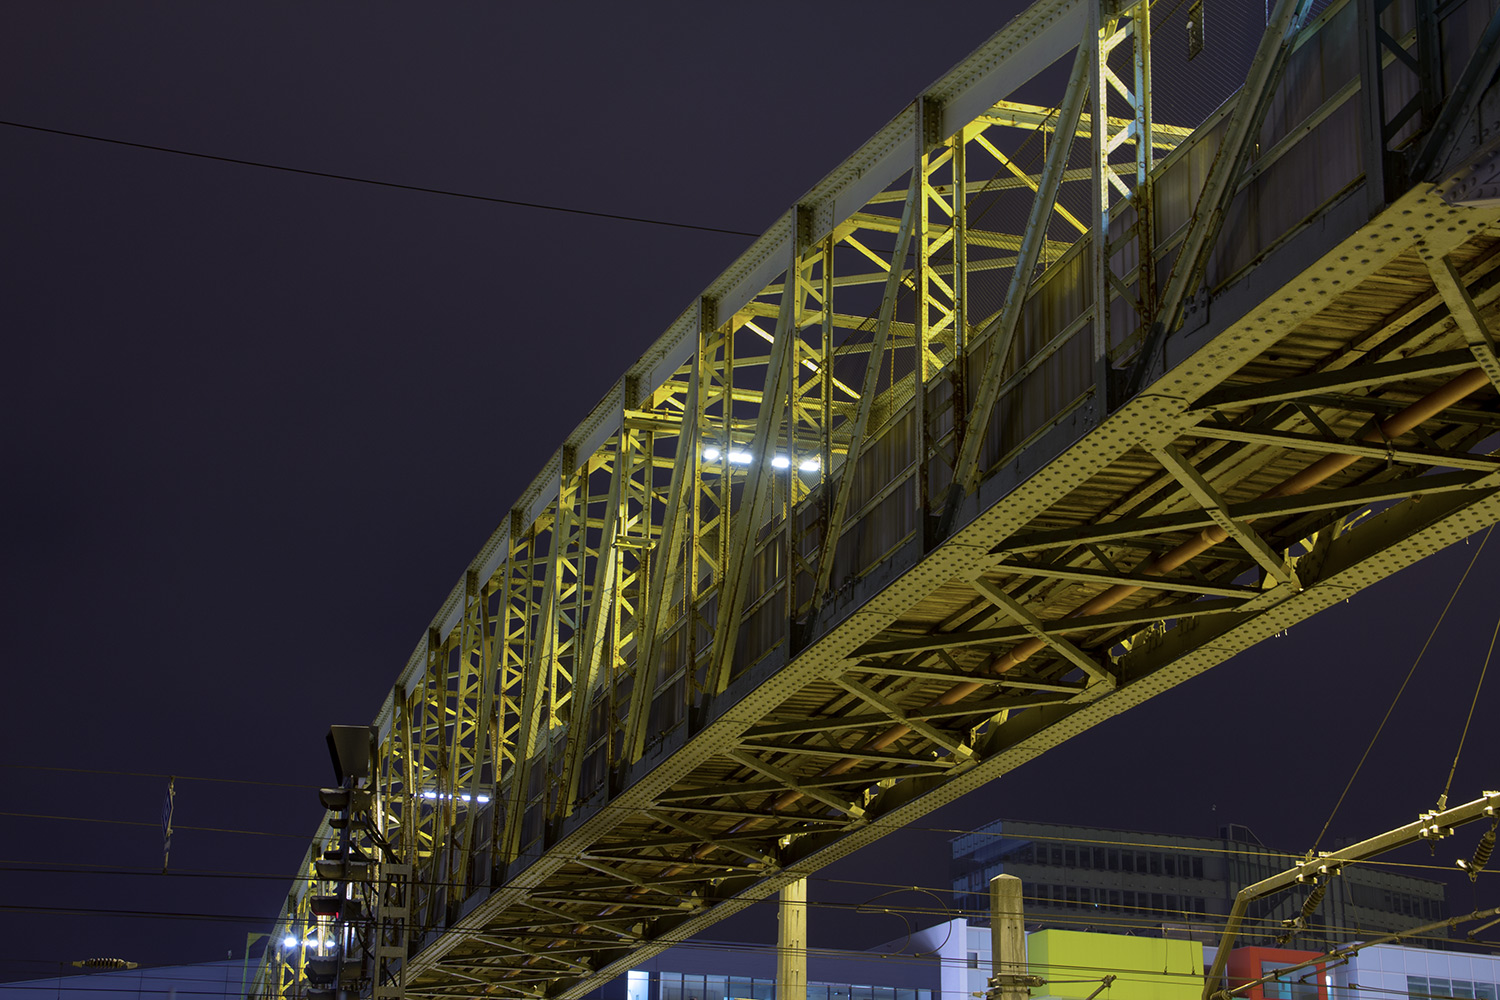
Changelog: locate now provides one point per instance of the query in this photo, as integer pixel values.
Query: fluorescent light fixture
(781, 462)
(461, 796)
(810, 464)
(712, 454)
(739, 458)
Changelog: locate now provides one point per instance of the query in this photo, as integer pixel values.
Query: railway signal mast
(362, 908)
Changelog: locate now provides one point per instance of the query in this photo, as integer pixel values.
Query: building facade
(1160, 884)
(1389, 970)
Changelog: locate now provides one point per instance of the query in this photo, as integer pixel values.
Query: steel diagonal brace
(602, 603)
(1339, 380)
(770, 815)
(450, 970)
(916, 725)
(1305, 442)
(536, 671)
(538, 928)
(1003, 330)
(663, 575)
(1342, 498)
(1111, 577)
(1471, 324)
(635, 880)
(1462, 101)
(855, 752)
(519, 950)
(1033, 625)
(986, 637)
(845, 779)
(614, 901)
(964, 677)
(819, 724)
(708, 838)
(746, 522)
(868, 388)
(789, 781)
(1223, 180)
(1215, 507)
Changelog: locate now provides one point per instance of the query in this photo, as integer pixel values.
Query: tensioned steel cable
(1477, 687)
(1399, 691)
(379, 183)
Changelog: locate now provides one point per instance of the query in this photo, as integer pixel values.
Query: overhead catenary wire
(1248, 852)
(1094, 841)
(1118, 918)
(1478, 686)
(1062, 971)
(887, 888)
(136, 822)
(423, 189)
(153, 774)
(956, 832)
(1401, 690)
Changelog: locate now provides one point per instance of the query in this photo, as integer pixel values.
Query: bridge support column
(1007, 940)
(791, 942)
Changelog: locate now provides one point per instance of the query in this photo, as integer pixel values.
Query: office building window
(1292, 986)
(1421, 987)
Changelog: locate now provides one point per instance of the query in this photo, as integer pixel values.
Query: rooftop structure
(1164, 884)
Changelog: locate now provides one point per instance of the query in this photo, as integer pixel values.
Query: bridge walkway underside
(730, 813)
(656, 697)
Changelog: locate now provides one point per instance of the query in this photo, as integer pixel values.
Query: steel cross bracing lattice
(1056, 482)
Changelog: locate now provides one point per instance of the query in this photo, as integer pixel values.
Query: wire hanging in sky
(517, 203)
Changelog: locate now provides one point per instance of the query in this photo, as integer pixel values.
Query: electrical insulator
(1313, 899)
(1482, 852)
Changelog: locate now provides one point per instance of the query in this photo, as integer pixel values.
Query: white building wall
(1380, 968)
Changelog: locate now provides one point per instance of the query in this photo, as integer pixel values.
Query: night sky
(255, 424)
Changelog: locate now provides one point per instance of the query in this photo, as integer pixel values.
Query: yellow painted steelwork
(877, 519)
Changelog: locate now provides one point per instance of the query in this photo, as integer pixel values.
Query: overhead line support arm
(1430, 827)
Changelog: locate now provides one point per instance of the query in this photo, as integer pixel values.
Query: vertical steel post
(1100, 28)
(960, 374)
(1007, 939)
(1145, 214)
(922, 287)
(791, 943)
(1372, 103)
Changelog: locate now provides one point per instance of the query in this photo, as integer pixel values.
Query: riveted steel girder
(741, 625)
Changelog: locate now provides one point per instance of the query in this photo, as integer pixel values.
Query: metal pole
(1007, 940)
(1430, 826)
(791, 943)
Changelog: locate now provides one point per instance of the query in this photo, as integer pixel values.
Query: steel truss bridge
(1023, 415)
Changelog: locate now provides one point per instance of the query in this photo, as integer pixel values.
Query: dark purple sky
(255, 424)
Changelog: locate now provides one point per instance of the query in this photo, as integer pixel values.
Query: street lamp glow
(810, 464)
(290, 941)
(739, 458)
(712, 454)
(781, 462)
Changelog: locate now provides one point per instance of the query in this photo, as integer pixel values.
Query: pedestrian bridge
(1106, 359)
